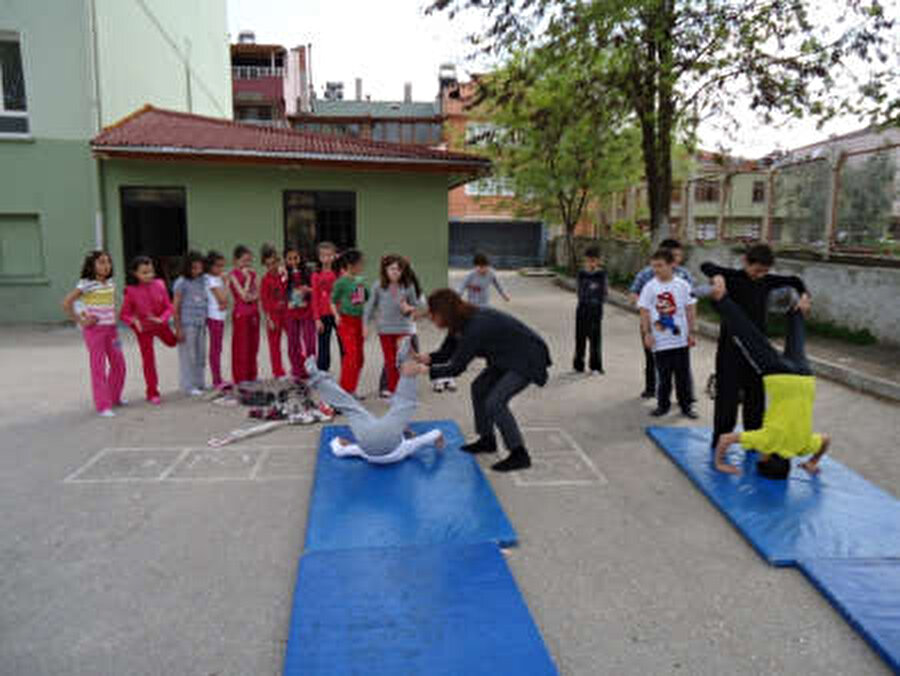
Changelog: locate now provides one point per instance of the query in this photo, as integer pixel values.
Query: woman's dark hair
(88, 270)
(592, 252)
(453, 310)
(266, 252)
(212, 257)
(135, 263)
(663, 254)
(240, 250)
(480, 259)
(187, 263)
(761, 254)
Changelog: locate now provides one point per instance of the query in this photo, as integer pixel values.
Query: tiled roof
(155, 132)
(379, 109)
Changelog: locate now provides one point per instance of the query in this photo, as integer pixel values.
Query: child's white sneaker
(107, 413)
(196, 393)
(437, 385)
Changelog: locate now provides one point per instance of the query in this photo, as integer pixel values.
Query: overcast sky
(389, 43)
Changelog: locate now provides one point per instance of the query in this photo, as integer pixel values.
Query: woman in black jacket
(516, 357)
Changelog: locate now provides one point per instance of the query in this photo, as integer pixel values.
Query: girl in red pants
(392, 304)
(272, 294)
(92, 304)
(300, 323)
(349, 296)
(147, 310)
(245, 317)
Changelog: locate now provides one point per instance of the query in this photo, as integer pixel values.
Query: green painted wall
(143, 46)
(47, 188)
(243, 204)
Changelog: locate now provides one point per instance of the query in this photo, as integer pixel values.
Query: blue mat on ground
(836, 514)
(450, 609)
(434, 497)
(867, 593)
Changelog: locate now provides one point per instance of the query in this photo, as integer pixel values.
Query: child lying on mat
(378, 440)
(790, 391)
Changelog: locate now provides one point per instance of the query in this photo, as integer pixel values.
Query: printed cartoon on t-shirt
(358, 297)
(666, 309)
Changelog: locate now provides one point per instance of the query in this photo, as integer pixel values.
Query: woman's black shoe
(518, 459)
(480, 445)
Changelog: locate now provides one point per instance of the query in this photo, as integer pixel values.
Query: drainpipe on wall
(94, 68)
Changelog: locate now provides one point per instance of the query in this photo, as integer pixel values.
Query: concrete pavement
(158, 556)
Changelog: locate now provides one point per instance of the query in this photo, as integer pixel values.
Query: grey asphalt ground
(170, 559)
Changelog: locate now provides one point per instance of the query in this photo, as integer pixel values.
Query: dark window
(317, 216)
(706, 191)
(154, 223)
(759, 191)
(13, 104)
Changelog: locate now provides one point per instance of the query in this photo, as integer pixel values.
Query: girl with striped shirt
(92, 304)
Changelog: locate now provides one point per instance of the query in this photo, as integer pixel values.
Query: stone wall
(855, 296)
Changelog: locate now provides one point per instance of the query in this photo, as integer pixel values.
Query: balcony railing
(255, 72)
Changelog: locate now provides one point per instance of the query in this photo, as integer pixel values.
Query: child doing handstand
(790, 391)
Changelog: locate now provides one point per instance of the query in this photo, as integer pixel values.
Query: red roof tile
(155, 132)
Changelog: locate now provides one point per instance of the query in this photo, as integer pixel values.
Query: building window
(706, 230)
(392, 132)
(21, 246)
(13, 104)
(491, 186)
(759, 192)
(313, 216)
(706, 191)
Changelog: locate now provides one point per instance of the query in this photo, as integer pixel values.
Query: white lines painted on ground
(568, 466)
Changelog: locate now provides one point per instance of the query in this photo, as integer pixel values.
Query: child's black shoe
(659, 412)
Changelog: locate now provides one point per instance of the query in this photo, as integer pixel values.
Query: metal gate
(509, 244)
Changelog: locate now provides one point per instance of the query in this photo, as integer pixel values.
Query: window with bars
(491, 186)
(13, 103)
(706, 191)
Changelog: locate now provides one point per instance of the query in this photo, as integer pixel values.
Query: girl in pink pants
(92, 304)
(216, 313)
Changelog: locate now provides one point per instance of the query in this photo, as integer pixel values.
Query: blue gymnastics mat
(867, 593)
(837, 514)
(442, 610)
(433, 497)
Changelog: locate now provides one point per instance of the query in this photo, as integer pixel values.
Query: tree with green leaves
(559, 150)
(678, 61)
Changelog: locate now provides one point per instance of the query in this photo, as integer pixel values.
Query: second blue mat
(434, 497)
(867, 593)
(447, 610)
(836, 514)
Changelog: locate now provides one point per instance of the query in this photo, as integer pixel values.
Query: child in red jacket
(147, 309)
(245, 317)
(274, 304)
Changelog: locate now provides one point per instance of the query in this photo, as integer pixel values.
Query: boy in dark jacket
(592, 287)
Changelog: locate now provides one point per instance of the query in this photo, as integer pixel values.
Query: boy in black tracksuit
(592, 288)
(735, 376)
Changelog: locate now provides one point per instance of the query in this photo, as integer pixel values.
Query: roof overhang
(458, 171)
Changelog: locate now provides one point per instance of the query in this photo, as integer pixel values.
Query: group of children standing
(307, 304)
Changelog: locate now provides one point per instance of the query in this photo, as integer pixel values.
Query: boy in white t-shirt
(668, 313)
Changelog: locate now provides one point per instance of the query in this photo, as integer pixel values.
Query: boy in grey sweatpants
(378, 440)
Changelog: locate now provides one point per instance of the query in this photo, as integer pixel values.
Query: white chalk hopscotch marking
(555, 463)
(160, 464)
